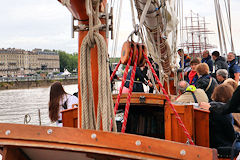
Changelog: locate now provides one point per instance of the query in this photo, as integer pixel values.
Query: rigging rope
(104, 108)
(221, 26)
(129, 94)
(228, 13)
(143, 16)
(116, 34)
(122, 84)
(133, 15)
(115, 70)
(170, 103)
(230, 26)
(218, 27)
(224, 25)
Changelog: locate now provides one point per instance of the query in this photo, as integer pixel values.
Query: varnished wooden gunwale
(105, 142)
(150, 99)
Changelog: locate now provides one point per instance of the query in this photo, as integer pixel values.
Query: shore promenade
(33, 81)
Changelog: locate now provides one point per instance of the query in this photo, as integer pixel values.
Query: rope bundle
(105, 103)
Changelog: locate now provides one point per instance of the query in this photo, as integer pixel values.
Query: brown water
(15, 104)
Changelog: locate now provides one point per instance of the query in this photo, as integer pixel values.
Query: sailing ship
(152, 132)
(196, 33)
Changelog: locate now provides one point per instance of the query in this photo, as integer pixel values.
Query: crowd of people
(212, 83)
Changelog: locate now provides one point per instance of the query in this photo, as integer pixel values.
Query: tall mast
(192, 35)
(196, 32)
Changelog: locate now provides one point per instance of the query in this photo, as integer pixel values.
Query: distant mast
(196, 33)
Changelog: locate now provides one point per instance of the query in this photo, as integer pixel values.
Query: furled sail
(160, 21)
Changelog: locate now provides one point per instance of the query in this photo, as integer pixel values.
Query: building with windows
(18, 62)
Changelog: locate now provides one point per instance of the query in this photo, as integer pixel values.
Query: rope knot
(91, 40)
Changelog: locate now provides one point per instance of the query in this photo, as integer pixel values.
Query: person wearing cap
(190, 94)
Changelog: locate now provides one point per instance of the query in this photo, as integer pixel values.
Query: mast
(193, 51)
(196, 35)
(78, 10)
(199, 35)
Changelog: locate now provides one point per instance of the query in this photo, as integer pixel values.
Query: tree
(68, 61)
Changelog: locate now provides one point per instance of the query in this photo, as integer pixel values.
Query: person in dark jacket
(219, 63)
(233, 67)
(207, 59)
(222, 133)
(139, 79)
(205, 81)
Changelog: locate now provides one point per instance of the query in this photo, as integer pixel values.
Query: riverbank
(34, 84)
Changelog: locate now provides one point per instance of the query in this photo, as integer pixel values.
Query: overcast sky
(46, 24)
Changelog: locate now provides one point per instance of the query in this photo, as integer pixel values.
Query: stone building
(18, 62)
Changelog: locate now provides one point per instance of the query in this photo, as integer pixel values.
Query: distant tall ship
(195, 35)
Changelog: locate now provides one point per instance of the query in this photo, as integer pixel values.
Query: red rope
(122, 84)
(170, 103)
(129, 94)
(115, 70)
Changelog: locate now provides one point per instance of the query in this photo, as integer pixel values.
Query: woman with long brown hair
(59, 100)
(222, 133)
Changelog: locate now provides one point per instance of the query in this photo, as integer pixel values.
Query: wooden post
(94, 57)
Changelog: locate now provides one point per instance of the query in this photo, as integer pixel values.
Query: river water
(15, 104)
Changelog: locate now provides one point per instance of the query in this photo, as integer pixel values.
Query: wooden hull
(42, 142)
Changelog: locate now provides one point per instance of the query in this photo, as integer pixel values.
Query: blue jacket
(187, 60)
(209, 62)
(233, 68)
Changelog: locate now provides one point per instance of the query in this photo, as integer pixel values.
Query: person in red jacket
(192, 76)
